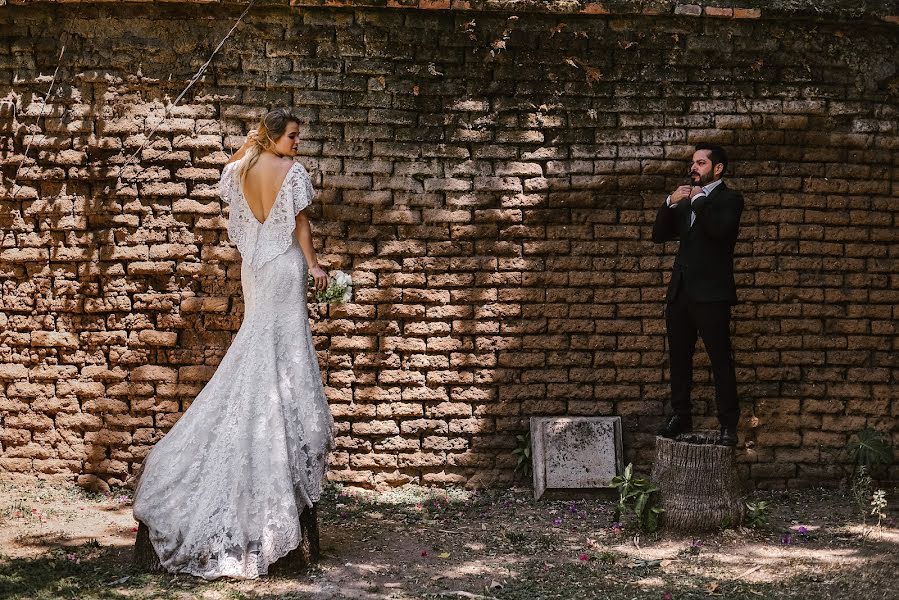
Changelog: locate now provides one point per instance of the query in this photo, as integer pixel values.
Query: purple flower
(786, 539)
(572, 509)
(803, 531)
(557, 521)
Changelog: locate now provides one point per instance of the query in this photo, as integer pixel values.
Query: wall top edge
(883, 10)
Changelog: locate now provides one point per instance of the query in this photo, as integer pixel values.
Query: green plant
(757, 513)
(515, 537)
(862, 486)
(523, 452)
(879, 505)
(635, 497)
(869, 447)
(607, 558)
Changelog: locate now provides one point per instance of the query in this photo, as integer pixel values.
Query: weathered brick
(498, 240)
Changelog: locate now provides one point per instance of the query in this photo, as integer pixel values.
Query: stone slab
(575, 452)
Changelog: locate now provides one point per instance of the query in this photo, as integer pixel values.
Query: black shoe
(675, 426)
(729, 436)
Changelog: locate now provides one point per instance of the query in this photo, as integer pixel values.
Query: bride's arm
(304, 237)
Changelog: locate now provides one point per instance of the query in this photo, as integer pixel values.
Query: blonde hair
(271, 127)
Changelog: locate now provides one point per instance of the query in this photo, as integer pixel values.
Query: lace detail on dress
(258, 243)
(222, 492)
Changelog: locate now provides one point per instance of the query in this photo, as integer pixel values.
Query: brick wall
(490, 179)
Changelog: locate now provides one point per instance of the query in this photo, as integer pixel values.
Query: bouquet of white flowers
(339, 290)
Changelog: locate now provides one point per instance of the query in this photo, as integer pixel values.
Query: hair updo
(270, 128)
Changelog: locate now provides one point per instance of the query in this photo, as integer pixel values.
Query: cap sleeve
(301, 189)
(228, 184)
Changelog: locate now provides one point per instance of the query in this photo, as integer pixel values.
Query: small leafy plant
(757, 513)
(879, 505)
(862, 487)
(869, 447)
(515, 537)
(607, 558)
(523, 452)
(635, 497)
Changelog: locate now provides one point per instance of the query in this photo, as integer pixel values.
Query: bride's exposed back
(222, 492)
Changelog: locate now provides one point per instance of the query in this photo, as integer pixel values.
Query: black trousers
(685, 320)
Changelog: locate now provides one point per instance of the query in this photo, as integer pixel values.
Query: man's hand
(681, 193)
(694, 191)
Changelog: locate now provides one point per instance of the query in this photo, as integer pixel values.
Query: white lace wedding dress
(222, 492)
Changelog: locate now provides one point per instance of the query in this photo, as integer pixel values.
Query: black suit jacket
(704, 265)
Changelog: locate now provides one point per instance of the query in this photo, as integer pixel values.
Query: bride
(222, 492)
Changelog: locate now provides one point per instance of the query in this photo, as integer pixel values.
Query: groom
(705, 217)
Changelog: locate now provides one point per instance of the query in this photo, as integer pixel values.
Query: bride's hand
(320, 276)
(251, 138)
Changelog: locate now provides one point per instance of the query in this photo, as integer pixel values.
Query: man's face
(701, 170)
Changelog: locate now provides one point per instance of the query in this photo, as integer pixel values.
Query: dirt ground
(57, 541)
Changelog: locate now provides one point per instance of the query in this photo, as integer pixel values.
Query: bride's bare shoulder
(270, 166)
(285, 164)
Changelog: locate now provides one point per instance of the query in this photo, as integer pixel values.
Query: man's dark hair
(716, 154)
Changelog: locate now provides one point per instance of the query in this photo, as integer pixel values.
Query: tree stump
(145, 557)
(699, 487)
(297, 560)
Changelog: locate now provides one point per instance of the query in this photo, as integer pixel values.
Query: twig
(190, 84)
(749, 571)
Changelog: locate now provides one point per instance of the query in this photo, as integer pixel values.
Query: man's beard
(701, 180)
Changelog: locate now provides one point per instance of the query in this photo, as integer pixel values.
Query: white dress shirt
(706, 190)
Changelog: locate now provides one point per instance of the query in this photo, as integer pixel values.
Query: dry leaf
(593, 74)
(571, 62)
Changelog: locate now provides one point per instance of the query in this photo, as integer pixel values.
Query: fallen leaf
(712, 588)
(443, 555)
